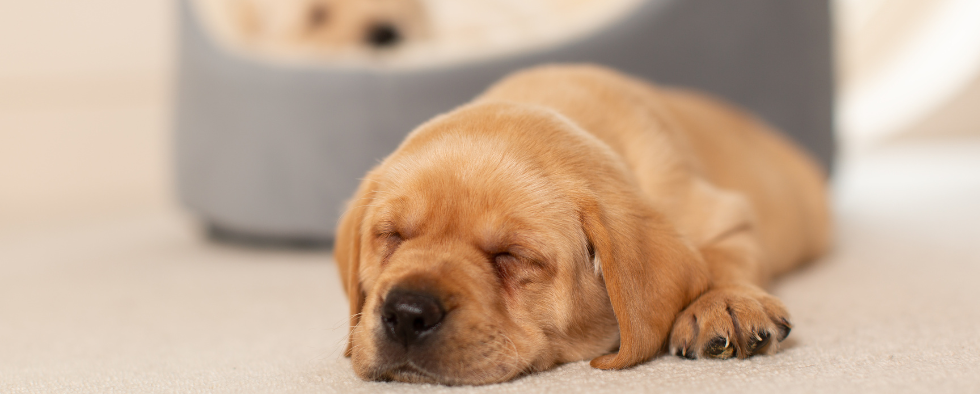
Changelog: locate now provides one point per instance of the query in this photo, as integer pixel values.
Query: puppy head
(470, 254)
(338, 24)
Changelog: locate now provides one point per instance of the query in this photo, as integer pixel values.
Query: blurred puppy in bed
(329, 25)
(573, 213)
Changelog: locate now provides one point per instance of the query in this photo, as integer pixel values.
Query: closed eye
(389, 242)
(504, 258)
(506, 265)
(517, 266)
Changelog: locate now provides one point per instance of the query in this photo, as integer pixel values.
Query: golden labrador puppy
(331, 24)
(573, 213)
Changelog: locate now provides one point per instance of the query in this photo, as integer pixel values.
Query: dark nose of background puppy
(410, 316)
(383, 35)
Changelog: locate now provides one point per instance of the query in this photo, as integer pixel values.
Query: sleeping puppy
(572, 213)
(330, 24)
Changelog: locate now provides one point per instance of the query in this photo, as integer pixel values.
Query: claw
(761, 340)
(784, 329)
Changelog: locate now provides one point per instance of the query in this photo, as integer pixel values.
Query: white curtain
(900, 61)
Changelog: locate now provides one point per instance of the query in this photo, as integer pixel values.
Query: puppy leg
(735, 317)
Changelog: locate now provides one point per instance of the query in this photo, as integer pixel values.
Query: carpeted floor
(142, 303)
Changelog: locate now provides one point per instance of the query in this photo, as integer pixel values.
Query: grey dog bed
(270, 153)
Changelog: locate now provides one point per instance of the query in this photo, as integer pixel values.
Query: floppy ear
(650, 273)
(347, 252)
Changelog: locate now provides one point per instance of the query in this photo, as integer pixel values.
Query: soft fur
(573, 213)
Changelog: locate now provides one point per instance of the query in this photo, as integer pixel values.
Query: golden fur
(573, 213)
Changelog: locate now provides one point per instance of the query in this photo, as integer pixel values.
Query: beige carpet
(141, 303)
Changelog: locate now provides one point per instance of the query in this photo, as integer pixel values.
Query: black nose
(410, 316)
(383, 35)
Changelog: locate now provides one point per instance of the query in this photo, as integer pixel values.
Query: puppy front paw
(730, 321)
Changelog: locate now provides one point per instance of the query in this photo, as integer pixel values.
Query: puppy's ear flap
(650, 273)
(347, 252)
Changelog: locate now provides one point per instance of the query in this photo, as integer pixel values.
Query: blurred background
(101, 269)
(86, 107)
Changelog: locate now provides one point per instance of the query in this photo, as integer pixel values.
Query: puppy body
(712, 168)
(568, 210)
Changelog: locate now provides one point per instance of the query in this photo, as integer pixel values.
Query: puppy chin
(409, 373)
(422, 368)
(382, 361)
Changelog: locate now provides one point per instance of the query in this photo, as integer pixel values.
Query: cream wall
(71, 38)
(83, 109)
